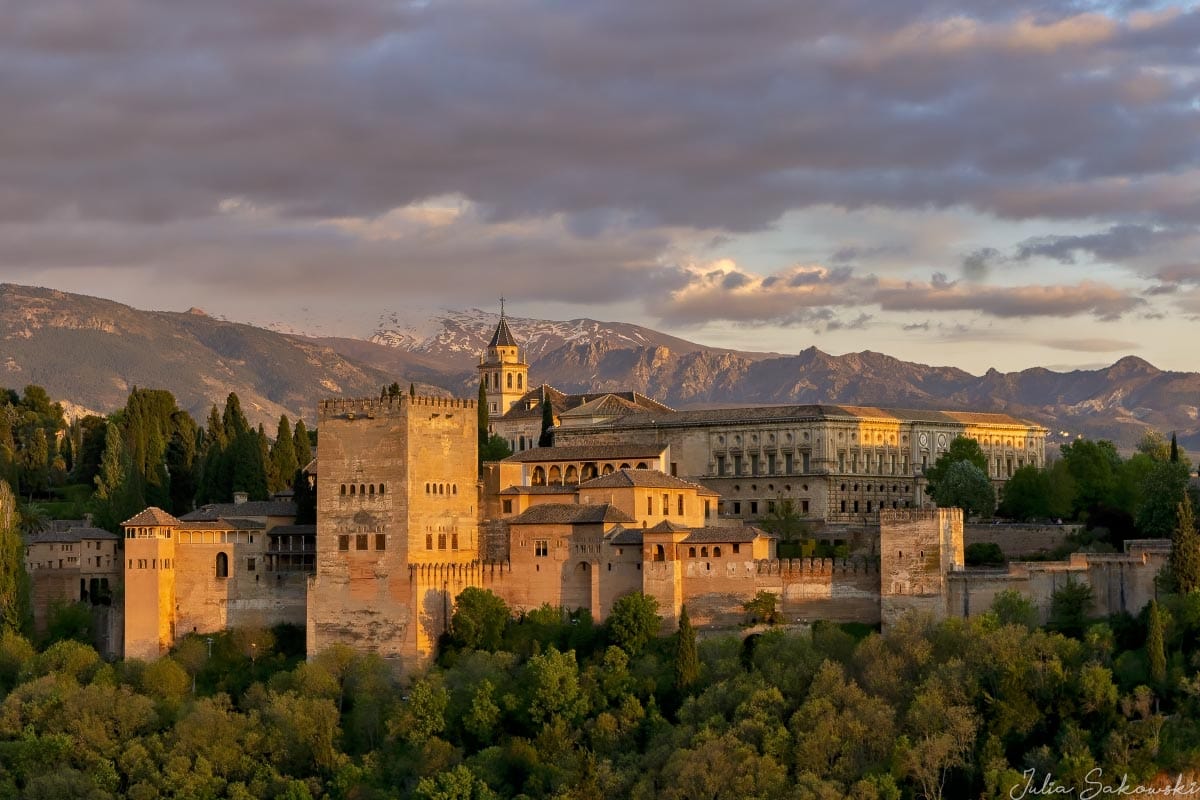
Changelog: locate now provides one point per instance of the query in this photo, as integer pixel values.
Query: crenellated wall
(1121, 582)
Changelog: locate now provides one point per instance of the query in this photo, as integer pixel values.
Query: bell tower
(504, 375)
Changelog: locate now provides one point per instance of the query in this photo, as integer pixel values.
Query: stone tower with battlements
(398, 491)
(918, 550)
(503, 373)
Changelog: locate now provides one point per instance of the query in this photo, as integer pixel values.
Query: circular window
(737, 440)
(737, 488)
(754, 487)
(720, 440)
(787, 437)
(854, 437)
(804, 487)
(754, 439)
(841, 436)
(770, 487)
(806, 436)
(771, 438)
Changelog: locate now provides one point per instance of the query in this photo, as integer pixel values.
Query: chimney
(240, 497)
(87, 520)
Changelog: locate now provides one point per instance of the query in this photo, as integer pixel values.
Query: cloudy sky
(980, 183)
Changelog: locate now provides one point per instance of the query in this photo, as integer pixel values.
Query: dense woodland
(549, 705)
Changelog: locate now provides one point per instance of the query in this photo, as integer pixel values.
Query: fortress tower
(398, 492)
(919, 549)
(149, 583)
(501, 371)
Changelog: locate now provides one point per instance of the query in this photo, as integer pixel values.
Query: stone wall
(245, 599)
(1122, 582)
(1016, 540)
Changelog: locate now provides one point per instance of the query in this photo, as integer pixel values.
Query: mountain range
(90, 352)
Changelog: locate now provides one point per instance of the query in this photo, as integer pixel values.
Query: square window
(343, 542)
(381, 541)
(508, 506)
(360, 541)
(249, 565)
(541, 548)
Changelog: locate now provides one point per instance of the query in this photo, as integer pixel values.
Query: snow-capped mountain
(458, 337)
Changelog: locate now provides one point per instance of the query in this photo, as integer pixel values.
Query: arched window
(659, 553)
(607, 470)
(381, 490)
(555, 476)
(641, 465)
(509, 380)
(362, 489)
(343, 488)
(495, 380)
(716, 552)
(588, 472)
(518, 380)
(522, 442)
(624, 466)
(704, 552)
(539, 476)
(371, 489)
(427, 488)
(222, 565)
(691, 552)
(352, 489)
(571, 475)
(454, 489)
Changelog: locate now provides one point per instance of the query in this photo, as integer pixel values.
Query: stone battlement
(450, 569)
(369, 407)
(901, 516)
(791, 567)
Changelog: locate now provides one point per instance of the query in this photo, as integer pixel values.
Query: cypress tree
(303, 445)
(1185, 550)
(283, 455)
(1174, 449)
(234, 421)
(1155, 649)
(14, 583)
(547, 437)
(305, 499)
(481, 411)
(412, 390)
(687, 660)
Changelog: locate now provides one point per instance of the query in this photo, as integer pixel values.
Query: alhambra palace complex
(632, 495)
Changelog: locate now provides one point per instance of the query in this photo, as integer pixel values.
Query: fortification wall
(1120, 582)
(919, 549)
(246, 598)
(1016, 541)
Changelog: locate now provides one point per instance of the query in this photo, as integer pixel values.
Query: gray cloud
(1091, 345)
(977, 264)
(623, 113)
(781, 299)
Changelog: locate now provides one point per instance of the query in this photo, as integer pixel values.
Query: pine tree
(283, 456)
(14, 583)
(481, 411)
(687, 660)
(303, 445)
(1185, 550)
(547, 437)
(1155, 649)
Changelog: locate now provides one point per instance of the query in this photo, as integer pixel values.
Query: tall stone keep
(918, 549)
(149, 583)
(397, 497)
(504, 375)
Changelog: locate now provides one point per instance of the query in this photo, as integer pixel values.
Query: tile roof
(570, 514)
(622, 535)
(587, 452)
(563, 403)
(645, 478)
(69, 535)
(250, 508)
(242, 524)
(555, 489)
(503, 336)
(302, 530)
(152, 516)
(739, 535)
(666, 526)
(816, 411)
